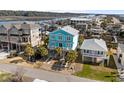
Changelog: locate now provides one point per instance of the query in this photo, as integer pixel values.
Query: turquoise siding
(54, 40)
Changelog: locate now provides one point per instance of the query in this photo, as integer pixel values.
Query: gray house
(15, 36)
(94, 51)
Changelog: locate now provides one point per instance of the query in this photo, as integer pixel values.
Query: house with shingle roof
(94, 50)
(66, 38)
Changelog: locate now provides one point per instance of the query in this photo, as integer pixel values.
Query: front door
(60, 44)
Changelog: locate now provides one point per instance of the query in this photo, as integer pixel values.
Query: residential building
(120, 53)
(76, 20)
(15, 36)
(66, 38)
(97, 31)
(94, 50)
(82, 27)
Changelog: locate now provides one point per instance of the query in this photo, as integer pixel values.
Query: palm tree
(46, 39)
(42, 51)
(58, 50)
(81, 38)
(29, 51)
(46, 27)
(71, 56)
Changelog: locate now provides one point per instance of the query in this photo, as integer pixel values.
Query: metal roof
(94, 44)
(70, 30)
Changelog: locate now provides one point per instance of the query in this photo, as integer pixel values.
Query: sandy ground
(46, 66)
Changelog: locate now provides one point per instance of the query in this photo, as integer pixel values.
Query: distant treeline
(35, 13)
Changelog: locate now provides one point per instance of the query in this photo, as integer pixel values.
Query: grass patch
(96, 74)
(5, 77)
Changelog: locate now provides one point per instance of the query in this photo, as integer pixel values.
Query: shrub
(37, 65)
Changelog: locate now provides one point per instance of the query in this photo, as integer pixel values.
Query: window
(101, 53)
(84, 51)
(60, 44)
(68, 38)
(60, 37)
(87, 51)
(24, 39)
(120, 55)
(68, 45)
(98, 52)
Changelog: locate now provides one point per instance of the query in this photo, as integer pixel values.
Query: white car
(39, 80)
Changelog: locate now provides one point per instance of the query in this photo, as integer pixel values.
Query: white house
(94, 50)
(76, 20)
(120, 53)
(97, 30)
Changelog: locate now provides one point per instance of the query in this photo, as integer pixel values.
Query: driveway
(43, 75)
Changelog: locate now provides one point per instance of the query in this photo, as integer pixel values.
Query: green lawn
(90, 73)
(5, 77)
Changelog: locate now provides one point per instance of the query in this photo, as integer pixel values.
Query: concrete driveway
(44, 75)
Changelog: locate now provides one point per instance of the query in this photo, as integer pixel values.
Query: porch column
(83, 59)
(1, 46)
(11, 46)
(92, 59)
(16, 47)
(8, 46)
(19, 47)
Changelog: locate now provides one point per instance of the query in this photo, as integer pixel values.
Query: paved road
(44, 75)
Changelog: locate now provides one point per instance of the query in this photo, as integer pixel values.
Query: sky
(93, 11)
(65, 5)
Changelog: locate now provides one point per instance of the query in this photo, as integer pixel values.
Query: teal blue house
(66, 38)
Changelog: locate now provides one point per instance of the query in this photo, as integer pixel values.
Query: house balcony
(64, 48)
(94, 55)
(3, 34)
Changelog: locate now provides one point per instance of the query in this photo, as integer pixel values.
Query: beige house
(15, 36)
